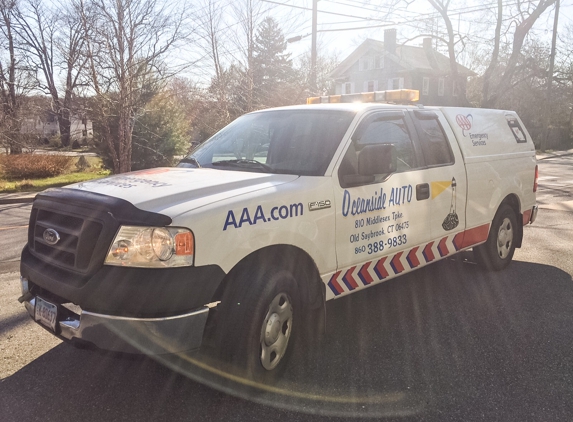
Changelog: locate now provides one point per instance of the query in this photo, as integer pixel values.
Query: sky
(334, 38)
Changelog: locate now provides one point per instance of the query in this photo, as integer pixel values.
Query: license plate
(46, 313)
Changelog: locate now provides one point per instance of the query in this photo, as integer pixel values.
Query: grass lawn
(34, 185)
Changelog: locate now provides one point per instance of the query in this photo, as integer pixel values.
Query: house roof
(410, 58)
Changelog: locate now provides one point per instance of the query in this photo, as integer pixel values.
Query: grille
(78, 238)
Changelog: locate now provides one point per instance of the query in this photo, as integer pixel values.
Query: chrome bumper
(131, 335)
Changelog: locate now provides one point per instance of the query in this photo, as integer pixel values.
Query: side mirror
(377, 159)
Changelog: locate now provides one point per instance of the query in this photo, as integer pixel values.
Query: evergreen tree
(273, 73)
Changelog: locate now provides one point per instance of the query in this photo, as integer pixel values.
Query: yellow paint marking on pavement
(12, 227)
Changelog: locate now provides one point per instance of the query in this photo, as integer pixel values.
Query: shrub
(24, 184)
(32, 166)
(82, 163)
(55, 142)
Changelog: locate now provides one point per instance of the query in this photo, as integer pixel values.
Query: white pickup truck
(279, 212)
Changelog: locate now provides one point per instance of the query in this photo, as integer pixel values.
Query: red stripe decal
(396, 264)
(380, 270)
(442, 247)
(413, 258)
(475, 236)
(459, 240)
(428, 253)
(349, 280)
(334, 283)
(365, 275)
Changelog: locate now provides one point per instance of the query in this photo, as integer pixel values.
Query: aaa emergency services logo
(464, 122)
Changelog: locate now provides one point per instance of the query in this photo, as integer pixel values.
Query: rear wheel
(497, 252)
(258, 325)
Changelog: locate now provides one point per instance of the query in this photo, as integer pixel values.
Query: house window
(396, 83)
(441, 87)
(455, 89)
(371, 62)
(425, 85)
(347, 88)
(370, 86)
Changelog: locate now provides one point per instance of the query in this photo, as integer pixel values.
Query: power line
(323, 11)
(361, 6)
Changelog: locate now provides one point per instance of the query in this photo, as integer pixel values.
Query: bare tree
(210, 34)
(53, 39)
(442, 7)
(128, 42)
(513, 22)
(325, 64)
(528, 12)
(564, 80)
(249, 14)
(13, 80)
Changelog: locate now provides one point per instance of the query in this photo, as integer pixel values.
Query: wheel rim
(276, 331)
(504, 238)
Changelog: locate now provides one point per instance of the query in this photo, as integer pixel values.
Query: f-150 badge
(318, 205)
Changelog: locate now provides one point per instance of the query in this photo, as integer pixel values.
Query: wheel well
(286, 257)
(513, 201)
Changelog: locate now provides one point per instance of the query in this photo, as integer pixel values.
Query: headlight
(155, 247)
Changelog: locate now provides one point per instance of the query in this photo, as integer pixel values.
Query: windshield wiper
(244, 163)
(191, 160)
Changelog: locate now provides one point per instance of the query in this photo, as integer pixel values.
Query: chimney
(390, 40)
(429, 50)
(428, 44)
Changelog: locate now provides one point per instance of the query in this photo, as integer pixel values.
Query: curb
(21, 200)
(567, 154)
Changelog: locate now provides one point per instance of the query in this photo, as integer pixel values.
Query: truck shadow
(448, 338)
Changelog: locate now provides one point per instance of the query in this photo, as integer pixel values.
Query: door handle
(422, 191)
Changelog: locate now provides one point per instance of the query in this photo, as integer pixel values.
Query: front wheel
(497, 252)
(258, 324)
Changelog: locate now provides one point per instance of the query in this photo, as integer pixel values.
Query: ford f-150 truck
(279, 212)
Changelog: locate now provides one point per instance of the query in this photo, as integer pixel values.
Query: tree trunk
(8, 85)
(64, 122)
(494, 55)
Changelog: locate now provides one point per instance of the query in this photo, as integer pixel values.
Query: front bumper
(123, 334)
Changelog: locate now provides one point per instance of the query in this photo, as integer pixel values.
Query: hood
(161, 188)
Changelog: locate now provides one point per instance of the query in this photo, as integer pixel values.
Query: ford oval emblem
(51, 237)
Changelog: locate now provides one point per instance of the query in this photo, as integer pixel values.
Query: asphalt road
(13, 230)
(556, 183)
(448, 342)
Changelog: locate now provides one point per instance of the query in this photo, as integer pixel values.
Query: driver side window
(394, 132)
(381, 128)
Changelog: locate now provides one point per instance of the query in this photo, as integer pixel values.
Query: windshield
(281, 141)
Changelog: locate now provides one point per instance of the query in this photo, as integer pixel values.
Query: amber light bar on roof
(393, 96)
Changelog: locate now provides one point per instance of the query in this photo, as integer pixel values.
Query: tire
(497, 252)
(258, 325)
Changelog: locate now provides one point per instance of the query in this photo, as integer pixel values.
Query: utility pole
(545, 139)
(313, 87)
